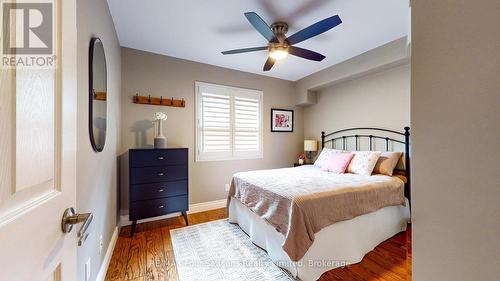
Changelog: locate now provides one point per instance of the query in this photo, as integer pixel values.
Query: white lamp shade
(310, 145)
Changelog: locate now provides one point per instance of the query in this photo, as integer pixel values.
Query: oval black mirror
(97, 94)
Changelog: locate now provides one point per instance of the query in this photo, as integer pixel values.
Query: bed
(310, 221)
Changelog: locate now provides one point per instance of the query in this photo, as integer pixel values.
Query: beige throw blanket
(299, 202)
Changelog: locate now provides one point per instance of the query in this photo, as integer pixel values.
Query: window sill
(229, 159)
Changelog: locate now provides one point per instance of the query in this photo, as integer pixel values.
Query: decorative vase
(160, 140)
(301, 161)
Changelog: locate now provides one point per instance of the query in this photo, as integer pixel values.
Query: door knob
(71, 218)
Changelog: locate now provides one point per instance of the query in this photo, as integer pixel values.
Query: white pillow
(363, 162)
(323, 156)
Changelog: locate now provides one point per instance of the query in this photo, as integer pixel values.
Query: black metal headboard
(388, 136)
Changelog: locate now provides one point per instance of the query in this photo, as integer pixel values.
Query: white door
(38, 154)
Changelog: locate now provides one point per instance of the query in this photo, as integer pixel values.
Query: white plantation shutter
(229, 123)
(216, 122)
(246, 124)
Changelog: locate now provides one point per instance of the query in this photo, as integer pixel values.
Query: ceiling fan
(279, 45)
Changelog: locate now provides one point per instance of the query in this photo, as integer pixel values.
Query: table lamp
(310, 146)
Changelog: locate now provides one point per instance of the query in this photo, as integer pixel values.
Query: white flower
(160, 116)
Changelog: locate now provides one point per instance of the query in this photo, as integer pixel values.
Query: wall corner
(306, 98)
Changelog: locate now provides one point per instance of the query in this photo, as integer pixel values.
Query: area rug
(221, 251)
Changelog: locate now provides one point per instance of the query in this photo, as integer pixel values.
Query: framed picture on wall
(281, 120)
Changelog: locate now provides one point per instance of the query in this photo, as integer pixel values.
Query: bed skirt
(337, 245)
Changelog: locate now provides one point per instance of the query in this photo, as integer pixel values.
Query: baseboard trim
(107, 258)
(207, 206)
(193, 208)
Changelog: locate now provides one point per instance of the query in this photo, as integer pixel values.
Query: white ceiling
(199, 30)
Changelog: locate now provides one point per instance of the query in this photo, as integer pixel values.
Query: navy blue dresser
(158, 183)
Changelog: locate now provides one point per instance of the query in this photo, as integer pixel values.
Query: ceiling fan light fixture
(280, 45)
(278, 53)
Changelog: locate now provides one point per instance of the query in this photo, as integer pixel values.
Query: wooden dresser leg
(132, 230)
(184, 214)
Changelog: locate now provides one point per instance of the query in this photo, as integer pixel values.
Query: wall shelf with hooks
(159, 101)
(102, 96)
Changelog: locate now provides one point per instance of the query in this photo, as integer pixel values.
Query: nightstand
(297, 164)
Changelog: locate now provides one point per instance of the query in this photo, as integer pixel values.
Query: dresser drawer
(158, 190)
(158, 174)
(157, 207)
(158, 157)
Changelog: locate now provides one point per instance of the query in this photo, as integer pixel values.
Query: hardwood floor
(149, 256)
(388, 261)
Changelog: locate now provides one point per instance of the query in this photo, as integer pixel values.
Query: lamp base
(309, 156)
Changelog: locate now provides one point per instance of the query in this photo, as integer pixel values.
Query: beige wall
(379, 99)
(455, 115)
(147, 73)
(384, 57)
(97, 172)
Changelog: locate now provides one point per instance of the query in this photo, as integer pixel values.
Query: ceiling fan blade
(269, 64)
(315, 29)
(261, 26)
(304, 53)
(245, 50)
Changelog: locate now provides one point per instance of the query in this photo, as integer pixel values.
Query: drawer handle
(161, 158)
(160, 190)
(161, 174)
(161, 207)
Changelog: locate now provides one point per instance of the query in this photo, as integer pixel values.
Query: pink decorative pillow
(337, 162)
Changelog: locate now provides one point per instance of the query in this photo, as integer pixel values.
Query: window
(229, 123)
